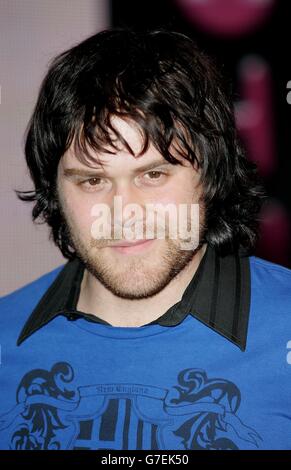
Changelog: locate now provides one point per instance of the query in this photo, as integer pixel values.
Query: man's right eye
(91, 183)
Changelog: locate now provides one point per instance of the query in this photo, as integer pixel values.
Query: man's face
(129, 272)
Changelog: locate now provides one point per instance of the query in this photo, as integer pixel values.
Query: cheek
(79, 215)
(181, 193)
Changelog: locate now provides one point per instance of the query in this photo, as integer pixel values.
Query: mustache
(154, 233)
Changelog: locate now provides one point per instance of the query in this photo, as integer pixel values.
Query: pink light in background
(255, 123)
(254, 114)
(227, 17)
(275, 229)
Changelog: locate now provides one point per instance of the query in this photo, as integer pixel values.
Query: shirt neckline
(218, 295)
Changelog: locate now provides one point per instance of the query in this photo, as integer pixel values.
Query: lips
(132, 248)
(128, 243)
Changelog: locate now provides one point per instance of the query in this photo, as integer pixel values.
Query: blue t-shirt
(188, 384)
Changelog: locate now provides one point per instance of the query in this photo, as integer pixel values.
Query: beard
(136, 276)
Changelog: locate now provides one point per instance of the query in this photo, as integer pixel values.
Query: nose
(126, 204)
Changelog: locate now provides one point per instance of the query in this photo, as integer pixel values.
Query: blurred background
(249, 41)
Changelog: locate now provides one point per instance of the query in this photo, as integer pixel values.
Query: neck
(96, 299)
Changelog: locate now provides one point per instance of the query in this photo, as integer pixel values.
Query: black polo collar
(218, 295)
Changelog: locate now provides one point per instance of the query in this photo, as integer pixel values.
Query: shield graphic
(119, 417)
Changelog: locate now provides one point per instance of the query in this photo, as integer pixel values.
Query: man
(148, 337)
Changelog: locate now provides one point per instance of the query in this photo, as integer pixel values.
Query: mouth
(128, 247)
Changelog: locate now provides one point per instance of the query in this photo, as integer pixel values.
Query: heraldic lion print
(197, 413)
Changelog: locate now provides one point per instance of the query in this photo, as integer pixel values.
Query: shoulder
(269, 271)
(24, 298)
(271, 281)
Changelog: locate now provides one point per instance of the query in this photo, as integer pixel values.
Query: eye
(92, 183)
(154, 175)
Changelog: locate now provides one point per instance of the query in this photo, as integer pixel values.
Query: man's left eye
(156, 174)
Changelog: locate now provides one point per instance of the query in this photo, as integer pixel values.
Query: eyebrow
(85, 172)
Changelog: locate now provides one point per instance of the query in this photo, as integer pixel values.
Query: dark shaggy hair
(172, 90)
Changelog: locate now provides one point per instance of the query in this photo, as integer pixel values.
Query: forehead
(122, 158)
(128, 130)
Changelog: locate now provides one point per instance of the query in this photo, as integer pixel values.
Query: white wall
(31, 33)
